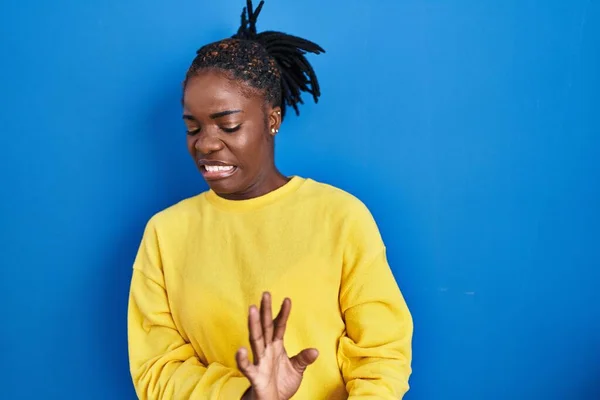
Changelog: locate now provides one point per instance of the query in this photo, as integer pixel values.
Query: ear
(274, 120)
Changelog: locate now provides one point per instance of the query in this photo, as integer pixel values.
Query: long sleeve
(164, 365)
(375, 354)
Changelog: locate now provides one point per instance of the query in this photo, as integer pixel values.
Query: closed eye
(231, 130)
(192, 132)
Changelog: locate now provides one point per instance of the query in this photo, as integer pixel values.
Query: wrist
(249, 394)
(246, 395)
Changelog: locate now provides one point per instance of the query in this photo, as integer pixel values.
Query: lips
(215, 170)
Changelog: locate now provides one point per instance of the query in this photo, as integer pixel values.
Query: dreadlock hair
(271, 62)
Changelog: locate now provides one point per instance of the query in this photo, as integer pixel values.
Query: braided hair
(272, 62)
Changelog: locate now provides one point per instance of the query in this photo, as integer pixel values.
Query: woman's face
(230, 134)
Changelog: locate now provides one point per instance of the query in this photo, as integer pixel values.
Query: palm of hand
(288, 378)
(275, 372)
(274, 376)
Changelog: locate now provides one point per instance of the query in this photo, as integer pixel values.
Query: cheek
(253, 149)
(190, 141)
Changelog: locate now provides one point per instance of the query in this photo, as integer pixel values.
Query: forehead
(212, 91)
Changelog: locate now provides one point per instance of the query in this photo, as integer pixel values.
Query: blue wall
(470, 128)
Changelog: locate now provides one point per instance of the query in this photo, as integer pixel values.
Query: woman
(258, 234)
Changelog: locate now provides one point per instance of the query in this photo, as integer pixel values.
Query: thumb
(304, 359)
(243, 363)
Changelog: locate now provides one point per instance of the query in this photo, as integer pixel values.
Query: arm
(375, 354)
(163, 365)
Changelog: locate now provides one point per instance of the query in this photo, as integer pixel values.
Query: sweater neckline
(256, 202)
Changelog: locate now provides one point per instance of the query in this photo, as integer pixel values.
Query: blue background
(470, 128)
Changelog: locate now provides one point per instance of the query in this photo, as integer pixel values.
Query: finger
(266, 318)
(243, 363)
(256, 334)
(303, 359)
(281, 319)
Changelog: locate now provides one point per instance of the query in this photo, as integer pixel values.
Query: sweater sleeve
(163, 364)
(375, 353)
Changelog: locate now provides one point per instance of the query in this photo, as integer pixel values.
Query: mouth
(216, 172)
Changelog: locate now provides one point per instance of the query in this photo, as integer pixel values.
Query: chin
(219, 187)
(224, 187)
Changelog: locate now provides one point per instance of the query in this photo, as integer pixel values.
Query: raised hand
(273, 375)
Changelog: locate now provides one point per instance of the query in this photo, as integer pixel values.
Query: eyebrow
(217, 115)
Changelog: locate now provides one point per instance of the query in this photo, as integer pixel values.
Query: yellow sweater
(205, 260)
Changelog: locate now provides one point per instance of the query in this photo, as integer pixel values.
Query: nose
(207, 143)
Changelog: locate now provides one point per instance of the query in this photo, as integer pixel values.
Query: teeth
(217, 168)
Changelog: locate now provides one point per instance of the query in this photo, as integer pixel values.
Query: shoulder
(178, 214)
(337, 201)
(348, 216)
